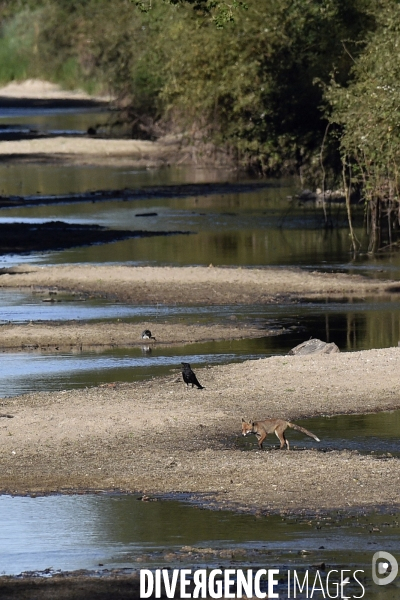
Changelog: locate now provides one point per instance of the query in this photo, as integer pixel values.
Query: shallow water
(54, 179)
(252, 228)
(248, 229)
(374, 433)
(30, 372)
(110, 531)
(357, 325)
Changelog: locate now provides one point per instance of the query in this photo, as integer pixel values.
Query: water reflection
(28, 372)
(116, 531)
(19, 307)
(242, 229)
(25, 372)
(66, 536)
(26, 179)
(252, 228)
(256, 228)
(374, 433)
(351, 324)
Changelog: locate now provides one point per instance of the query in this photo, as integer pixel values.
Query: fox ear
(243, 421)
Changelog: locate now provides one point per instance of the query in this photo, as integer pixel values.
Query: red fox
(277, 426)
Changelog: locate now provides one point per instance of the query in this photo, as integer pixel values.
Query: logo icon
(384, 568)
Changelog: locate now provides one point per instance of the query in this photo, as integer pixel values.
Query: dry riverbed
(79, 335)
(89, 150)
(194, 285)
(166, 286)
(157, 436)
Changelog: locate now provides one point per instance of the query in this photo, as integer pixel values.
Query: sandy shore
(37, 89)
(79, 335)
(195, 285)
(85, 151)
(82, 150)
(158, 436)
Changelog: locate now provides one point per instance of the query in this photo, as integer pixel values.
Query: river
(266, 227)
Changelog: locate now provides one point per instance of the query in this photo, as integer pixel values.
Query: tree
(367, 114)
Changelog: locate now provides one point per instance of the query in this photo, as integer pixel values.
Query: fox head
(247, 427)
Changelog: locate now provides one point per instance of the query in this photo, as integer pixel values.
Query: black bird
(189, 376)
(146, 335)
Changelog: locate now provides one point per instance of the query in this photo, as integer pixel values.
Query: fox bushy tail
(298, 428)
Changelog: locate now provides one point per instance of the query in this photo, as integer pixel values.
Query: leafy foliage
(220, 11)
(18, 45)
(252, 85)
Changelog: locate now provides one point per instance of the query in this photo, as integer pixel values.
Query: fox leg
(260, 438)
(282, 438)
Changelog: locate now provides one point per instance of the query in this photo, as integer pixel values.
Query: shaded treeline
(253, 86)
(302, 86)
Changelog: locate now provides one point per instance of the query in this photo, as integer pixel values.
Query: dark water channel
(250, 229)
(20, 123)
(258, 228)
(254, 228)
(262, 228)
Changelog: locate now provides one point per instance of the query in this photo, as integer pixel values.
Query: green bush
(252, 85)
(18, 38)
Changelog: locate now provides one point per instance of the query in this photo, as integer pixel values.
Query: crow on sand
(189, 376)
